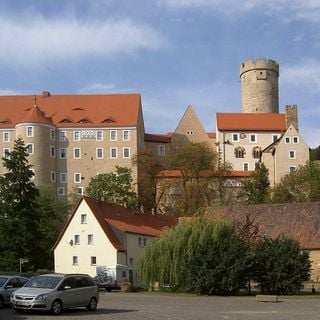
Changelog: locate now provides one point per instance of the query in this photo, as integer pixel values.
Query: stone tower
(259, 82)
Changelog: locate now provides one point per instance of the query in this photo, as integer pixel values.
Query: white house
(104, 234)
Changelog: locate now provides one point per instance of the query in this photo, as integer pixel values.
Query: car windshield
(43, 282)
(3, 280)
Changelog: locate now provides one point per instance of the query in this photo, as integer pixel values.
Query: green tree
(192, 160)
(114, 187)
(19, 231)
(149, 192)
(281, 266)
(185, 255)
(52, 214)
(315, 154)
(256, 189)
(303, 185)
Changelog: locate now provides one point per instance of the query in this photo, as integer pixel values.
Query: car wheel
(56, 307)
(1, 302)
(92, 306)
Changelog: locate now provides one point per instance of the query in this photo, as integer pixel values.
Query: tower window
(239, 152)
(256, 152)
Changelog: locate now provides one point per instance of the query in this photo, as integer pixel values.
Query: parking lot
(141, 306)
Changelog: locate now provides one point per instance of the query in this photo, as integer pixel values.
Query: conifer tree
(19, 236)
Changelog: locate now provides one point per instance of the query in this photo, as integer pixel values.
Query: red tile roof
(103, 110)
(34, 115)
(300, 221)
(155, 137)
(251, 121)
(126, 220)
(204, 173)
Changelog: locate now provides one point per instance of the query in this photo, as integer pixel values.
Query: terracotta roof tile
(34, 115)
(251, 121)
(123, 109)
(300, 221)
(154, 137)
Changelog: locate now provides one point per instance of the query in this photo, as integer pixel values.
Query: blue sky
(174, 53)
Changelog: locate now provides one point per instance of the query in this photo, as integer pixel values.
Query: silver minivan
(55, 292)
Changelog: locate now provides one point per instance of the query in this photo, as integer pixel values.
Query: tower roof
(34, 115)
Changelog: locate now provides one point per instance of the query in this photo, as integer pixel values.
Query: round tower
(259, 83)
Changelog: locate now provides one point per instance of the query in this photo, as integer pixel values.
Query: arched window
(256, 152)
(239, 152)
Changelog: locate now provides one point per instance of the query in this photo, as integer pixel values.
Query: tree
(149, 193)
(256, 189)
(113, 187)
(200, 255)
(315, 154)
(192, 160)
(303, 185)
(52, 213)
(19, 232)
(281, 266)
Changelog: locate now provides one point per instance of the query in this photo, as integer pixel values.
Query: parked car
(55, 292)
(8, 284)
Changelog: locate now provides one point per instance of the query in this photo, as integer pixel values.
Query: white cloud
(305, 74)
(38, 39)
(285, 9)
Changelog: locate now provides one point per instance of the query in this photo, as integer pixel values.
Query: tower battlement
(259, 64)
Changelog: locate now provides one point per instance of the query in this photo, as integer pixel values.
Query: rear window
(43, 282)
(3, 280)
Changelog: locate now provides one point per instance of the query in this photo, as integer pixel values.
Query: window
(139, 241)
(126, 135)
(113, 135)
(80, 190)
(77, 177)
(144, 242)
(83, 219)
(93, 261)
(29, 148)
(32, 178)
(253, 138)
(113, 153)
(53, 176)
(295, 139)
(239, 152)
(245, 166)
(292, 154)
(6, 153)
(90, 238)
(76, 239)
(99, 153)
(287, 140)
(99, 136)
(126, 153)
(52, 151)
(275, 137)
(256, 152)
(52, 135)
(29, 131)
(76, 136)
(61, 191)
(63, 153)
(189, 132)
(235, 137)
(6, 136)
(76, 153)
(63, 177)
(63, 136)
(161, 150)
(75, 260)
(292, 169)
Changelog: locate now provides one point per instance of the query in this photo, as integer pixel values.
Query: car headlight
(41, 297)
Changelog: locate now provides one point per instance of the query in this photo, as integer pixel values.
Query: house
(71, 138)
(299, 221)
(104, 234)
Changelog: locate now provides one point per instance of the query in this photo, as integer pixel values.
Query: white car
(55, 292)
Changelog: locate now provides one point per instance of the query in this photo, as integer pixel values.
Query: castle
(71, 138)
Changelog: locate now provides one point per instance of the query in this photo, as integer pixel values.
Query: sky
(174, 53)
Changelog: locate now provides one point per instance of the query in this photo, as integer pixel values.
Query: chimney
(292, 116)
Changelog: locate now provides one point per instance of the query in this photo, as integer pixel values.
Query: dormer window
(190, 132)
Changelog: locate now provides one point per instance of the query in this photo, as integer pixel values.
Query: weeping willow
(166, 259)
